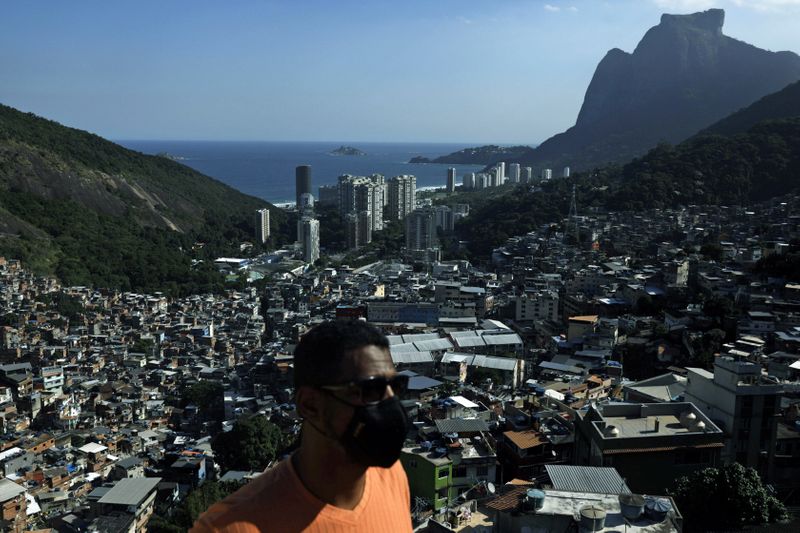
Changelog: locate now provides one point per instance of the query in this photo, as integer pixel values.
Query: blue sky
(503, 71)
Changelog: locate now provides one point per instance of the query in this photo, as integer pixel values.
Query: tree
(736, 494)
(208, 396)
(195, 504)
(251, 444)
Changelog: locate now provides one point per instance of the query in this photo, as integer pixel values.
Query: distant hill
(781, 105)
(742, 169)
(91, 211)
(683, 76)
(482, 155)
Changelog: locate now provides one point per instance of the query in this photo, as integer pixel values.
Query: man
(345, 476)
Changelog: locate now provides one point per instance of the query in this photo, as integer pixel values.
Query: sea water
(267, 169)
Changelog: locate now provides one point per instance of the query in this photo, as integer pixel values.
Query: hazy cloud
(551, 8)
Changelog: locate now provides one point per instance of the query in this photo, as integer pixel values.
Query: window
(483, 470)
(443, 473)
(460, 471)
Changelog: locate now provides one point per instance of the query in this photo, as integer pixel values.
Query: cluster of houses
(566, 385)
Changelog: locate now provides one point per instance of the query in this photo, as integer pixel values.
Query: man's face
(365, 362)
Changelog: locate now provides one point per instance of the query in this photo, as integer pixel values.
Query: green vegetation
(251, 445)
(740, 170)
(736, 495)
(482, 155)
(196, 502)
(208, 396)
(92, 212)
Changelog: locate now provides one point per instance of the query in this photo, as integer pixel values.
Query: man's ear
(309, 403)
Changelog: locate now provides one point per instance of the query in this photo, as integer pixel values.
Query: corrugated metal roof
(452, 357)
(395, 339)
(505, 338)
(561, 368)
(9, 489)
(433, 345)
(405, 347)
(411, 357)
(498, 363)
(469, 342)
(130, 491)
(592, 479)
(463, 334)
(461, 425)
(416, 337)
(422, 383)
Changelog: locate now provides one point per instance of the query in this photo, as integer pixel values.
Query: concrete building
(445, 217)
(745, 404)
(358, 230)
(262, 225)
(421, 229)
(363, 194)
(402, 196)
(639, 439)
(547, 174)
(528, 174)
(468, 181)
(536, 305)
(302, 180)
(308, 237)
(451, 180)
(306, 204)
(565, 172)
(328, 195)
(514, 173)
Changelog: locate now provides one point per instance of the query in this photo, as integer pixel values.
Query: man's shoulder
(252, 503)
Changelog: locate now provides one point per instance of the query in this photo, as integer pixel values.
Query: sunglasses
(373, 389)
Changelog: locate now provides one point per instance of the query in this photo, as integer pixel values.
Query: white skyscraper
(308, 237)
(497, 176)
(547, 174)
(528, 174)
(363, 194)
(402, 196)
(513, 173)
(468, 181)
(566, 172)
(451, 180)
(262, 225)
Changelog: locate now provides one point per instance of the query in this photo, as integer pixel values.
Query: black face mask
(375, 434)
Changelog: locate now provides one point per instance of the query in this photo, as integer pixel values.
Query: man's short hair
(319, 355)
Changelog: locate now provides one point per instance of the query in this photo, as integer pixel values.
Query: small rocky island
(346, 150)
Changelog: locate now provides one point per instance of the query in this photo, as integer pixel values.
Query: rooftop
(130, 491)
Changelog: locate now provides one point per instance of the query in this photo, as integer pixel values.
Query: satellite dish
(490, 488)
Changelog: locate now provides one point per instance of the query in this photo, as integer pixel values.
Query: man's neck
(328, 478)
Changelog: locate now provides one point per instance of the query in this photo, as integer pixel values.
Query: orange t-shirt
(278, 501)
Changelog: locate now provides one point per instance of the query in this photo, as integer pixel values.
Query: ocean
(266, 169)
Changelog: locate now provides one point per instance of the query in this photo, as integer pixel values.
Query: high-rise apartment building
(358, 231)
(451, 180)
(363, 194)
(469, 180)
(547, 174)
(565, 172)
(402, 196)
(306, 205)
(528, 174)
(262, 225)
(328, 195)
(422, 225)
(308, 237)
(513, 172)
(302, 180)
(421, 229)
